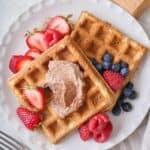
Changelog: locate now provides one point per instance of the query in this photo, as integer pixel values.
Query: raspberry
(114, 79)
(104, 134)
(85, 134)
(99, 127)
(98, 122)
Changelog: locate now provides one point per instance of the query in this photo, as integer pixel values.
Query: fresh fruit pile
(107, 64)
(127, 93)
(98, 127)
(114, 75)
(39, 41)
(35, 96)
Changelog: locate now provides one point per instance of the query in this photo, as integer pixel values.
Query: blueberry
(124, 65)
(106, 65)
(133, 95)
(116, 67)
(124, 71)
(99, 67)
(121, 100)
(116, 110)
(107, 57)
(93, 60)
(127, 92)
(130, 85)
(127, 107)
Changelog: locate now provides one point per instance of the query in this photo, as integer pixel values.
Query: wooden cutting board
(134, 7)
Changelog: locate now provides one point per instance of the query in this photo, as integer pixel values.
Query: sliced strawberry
(18, 61)
(29, 118)
(52, 36)
(59, 24)
(36, 97)
(36, 41)
(23, 62)
(33, 53)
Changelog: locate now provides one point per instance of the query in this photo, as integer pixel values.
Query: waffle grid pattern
(96, 37)
(97, 98)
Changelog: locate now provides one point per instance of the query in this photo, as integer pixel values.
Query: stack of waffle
(91, 37)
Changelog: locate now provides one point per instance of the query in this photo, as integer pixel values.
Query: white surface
(123, 125)
(10, 10)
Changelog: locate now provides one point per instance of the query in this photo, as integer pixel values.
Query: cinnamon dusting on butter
(65, 80)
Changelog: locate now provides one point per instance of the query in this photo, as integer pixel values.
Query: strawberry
(98, 122)
(29, 118)
(114, 79)
(18, 61)
(104, 134)
(85, 134)
(33, 53)
(52, 36)
(35, 96)
(59, 24)
(36, 41)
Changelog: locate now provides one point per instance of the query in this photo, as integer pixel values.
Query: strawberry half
(29, 118)
(18, 61)
(35, 96)
(36, 41)
(59, 24)
(33, 53)
(52, 36)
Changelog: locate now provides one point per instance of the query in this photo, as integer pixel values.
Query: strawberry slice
(52, 36)
(18, 61)
(36, 41)
(35, 96)
(33, 53)
(59, 24)
(30, 119)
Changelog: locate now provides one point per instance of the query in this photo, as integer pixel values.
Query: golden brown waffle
(96, 37)
(97, 94)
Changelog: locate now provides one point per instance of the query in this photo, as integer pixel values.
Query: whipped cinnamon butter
(65, 81)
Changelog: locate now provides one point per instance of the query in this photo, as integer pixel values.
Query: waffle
(96, 37)
(97, 94)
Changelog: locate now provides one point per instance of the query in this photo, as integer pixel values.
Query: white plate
(14, 43)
